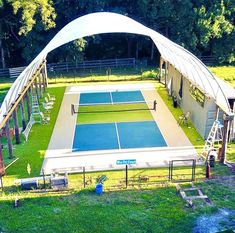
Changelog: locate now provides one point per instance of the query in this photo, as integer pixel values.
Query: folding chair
(184, 119)
(49, 102)
(51, 97)
(47, 107)
(45, 118)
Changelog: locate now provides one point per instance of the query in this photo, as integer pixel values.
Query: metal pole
(126, 175)
(2, 168)
(169, 171)
(23, 114)
(17, 134)
(44, 181)
(226, 119)
(9, 141)
(28, 105)
(193, 170)
(208, 170)
(1, 183)
(84, 177)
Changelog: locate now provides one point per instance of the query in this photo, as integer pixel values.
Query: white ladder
(36, 113)
(215, 135)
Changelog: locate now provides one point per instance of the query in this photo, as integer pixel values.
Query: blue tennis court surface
(127, 96)
(140, 135)
(95, 98)
(123, 135)
(109, 97)
(95, 137)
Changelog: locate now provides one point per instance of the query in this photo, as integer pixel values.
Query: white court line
(111, 97)
(119, 145)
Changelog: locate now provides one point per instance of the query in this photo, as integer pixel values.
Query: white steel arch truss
(96, 23)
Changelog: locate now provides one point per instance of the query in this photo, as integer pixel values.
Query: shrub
(151, 74)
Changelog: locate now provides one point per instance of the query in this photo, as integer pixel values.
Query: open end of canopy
(96, 23)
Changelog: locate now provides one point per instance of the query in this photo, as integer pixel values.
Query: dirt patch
(222, 220)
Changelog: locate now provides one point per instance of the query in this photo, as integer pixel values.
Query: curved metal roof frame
(96, 23)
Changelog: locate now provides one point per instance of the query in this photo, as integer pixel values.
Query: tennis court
(108, 120)
(115, 120)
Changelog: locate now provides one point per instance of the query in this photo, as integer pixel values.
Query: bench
(28, 128)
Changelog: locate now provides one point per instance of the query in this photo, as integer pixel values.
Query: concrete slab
(59, 156)
(172, 133)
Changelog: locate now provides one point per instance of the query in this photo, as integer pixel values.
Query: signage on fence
(126, 161)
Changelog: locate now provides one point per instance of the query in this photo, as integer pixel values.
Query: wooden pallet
(189, 199)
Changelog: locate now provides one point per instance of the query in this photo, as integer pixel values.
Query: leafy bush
(151, 74)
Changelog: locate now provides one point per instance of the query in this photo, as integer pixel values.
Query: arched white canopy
(104, 22)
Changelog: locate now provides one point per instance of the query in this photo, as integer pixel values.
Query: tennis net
(113, 107)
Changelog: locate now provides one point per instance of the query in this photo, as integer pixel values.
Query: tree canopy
(205, 27)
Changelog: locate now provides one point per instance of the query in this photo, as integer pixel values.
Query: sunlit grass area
(152, 206)
(226, 73)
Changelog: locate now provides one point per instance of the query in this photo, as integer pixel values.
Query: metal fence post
(1, 182)
(84, 177)
(44, 181)
(126, 175)
(170, 172)
(193, 170)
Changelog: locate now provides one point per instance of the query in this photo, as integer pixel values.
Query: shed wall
(202, 117)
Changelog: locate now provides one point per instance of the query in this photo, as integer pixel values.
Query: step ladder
(215, 135)
(36, 113)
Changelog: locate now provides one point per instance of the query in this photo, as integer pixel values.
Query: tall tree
(11, 28)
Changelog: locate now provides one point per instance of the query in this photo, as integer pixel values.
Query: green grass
(137, 210)
(113, 113)
(158, 210)
(33, 150)
(227, 73)
(191, 132)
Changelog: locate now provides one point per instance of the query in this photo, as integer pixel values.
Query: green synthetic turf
(113, 113)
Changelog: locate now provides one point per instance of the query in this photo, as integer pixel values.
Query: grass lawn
(227, 73)
(113, 113)
(191, 132)
(141, 208)
(33, 150)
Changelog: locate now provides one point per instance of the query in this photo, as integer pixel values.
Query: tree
(11, 28)
(29, 11)
(215, 30)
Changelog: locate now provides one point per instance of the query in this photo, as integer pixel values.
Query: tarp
(96, 23)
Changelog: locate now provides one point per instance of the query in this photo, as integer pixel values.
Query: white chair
(47, 107)
(49, 102)
(51, 97)
(45, 118)
(184, 119)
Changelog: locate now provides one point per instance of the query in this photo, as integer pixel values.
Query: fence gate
(182, 170)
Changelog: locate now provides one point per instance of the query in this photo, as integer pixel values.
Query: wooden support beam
(2, 167)
(21, 95)
(224, 142)
(28, 104)
(36, 87)
(45, 73)
(17, 133)
(160, 69)
(44, 80)
(23, 114)
(166, 70)
(9, 141)
(40, 85)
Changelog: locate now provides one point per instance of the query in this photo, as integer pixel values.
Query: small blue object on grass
(99, 189)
